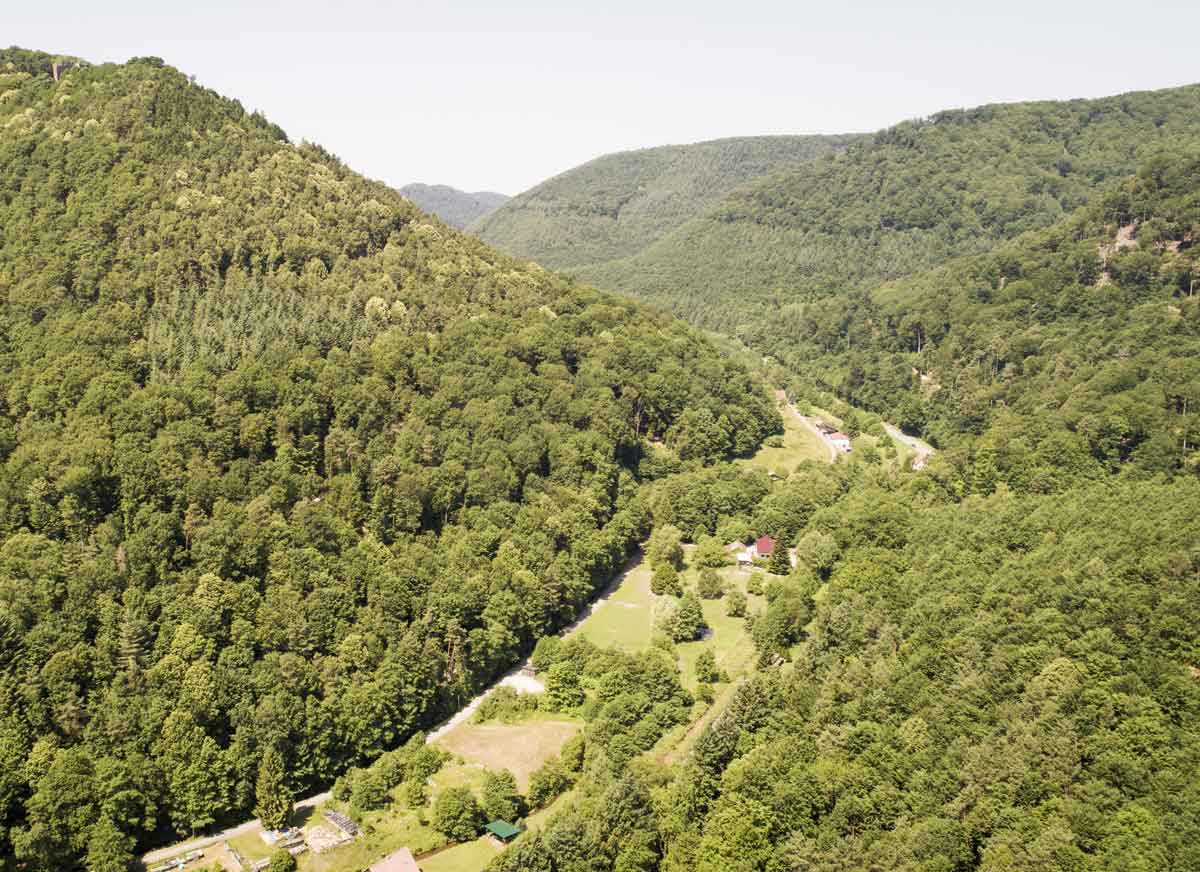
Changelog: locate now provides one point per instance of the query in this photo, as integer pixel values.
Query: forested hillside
(902, 201)
(1068, 352)
(616, 205)
(457, 208)
(999, 683)
(992, 664)
(287, 465)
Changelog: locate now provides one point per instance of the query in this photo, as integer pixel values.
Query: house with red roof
(764, 546)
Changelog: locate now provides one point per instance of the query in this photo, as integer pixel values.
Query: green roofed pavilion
(502, 830)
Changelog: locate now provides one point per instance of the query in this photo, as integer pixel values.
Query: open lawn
(522, 747)
(730, 643)
(799, 444)
(467, 857)
(625, 619)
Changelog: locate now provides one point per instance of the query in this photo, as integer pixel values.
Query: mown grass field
(521, 747)
(467, 857)
(625, 620)
(799, 444)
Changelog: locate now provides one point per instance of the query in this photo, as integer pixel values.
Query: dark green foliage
(282, 462)
(273, 799)
(779, 564)
(616, 205)
(665, 581)
(457, 208)
(901, 201)
(706, 667)
(282, 861)
(1041, 368)
(456, 814)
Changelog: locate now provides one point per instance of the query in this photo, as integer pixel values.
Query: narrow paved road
(512, 677)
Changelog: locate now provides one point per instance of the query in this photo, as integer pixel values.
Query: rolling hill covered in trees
(288, 468)
(992, 664)
(901, 201)
(457, 208)
(1090, 328)
(616, 205)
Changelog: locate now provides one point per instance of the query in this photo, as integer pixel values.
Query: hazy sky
(501, 95)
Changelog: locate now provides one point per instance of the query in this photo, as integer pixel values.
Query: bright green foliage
(456, 814)
(282, 861)
(664, 547)
(272, 797)
(735, 603)
(684, 621)
(457, 208)
(563, 688)
(283, 463)
(547, 782)
(710, 552)
(501, 801)
(754, 584)
(506, 705)
(709, 584)
(616, 205)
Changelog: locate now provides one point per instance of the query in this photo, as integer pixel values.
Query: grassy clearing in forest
(625, 619)
(799, 444)
(521, 747)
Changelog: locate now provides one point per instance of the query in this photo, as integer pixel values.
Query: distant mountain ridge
(618, 204)
(901, 201)
(457, 208)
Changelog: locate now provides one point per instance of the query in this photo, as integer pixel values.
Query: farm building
(400, 861)
(764, 546)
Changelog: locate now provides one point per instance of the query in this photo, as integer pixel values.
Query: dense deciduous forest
(903, 200)
(290, 470)
(1070, 353)
(617, 205)
(992, 664)
(996, 683)
(289, 467)
(457, 208)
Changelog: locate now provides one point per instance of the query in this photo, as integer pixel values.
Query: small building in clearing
(764, 546)
(400, 861)
(840, 441)
(502, 831)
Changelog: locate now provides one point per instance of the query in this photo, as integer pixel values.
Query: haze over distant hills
(457, 208)
(616, 205)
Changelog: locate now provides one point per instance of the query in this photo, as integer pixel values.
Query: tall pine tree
(274, 798)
